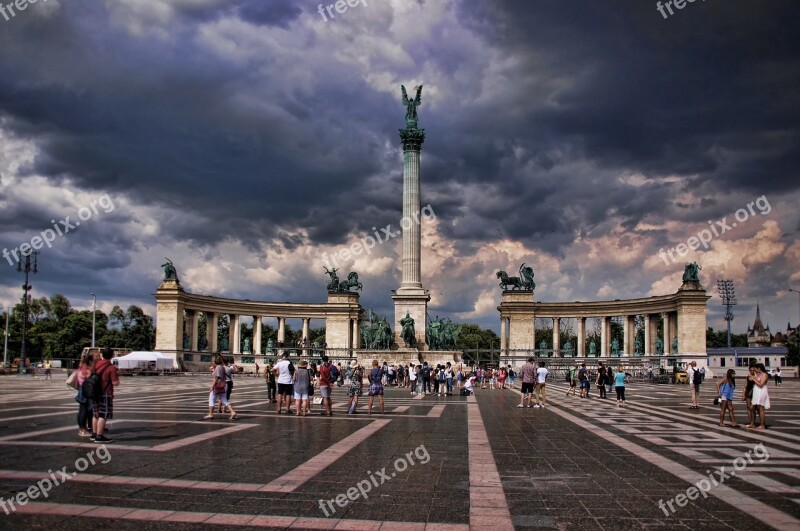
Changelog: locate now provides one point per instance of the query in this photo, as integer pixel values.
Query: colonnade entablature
(177, 319)
(682, 334)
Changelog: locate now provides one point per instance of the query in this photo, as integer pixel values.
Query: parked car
(681, 377)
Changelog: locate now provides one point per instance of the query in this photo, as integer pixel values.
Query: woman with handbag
(218, 391)
(302, 383)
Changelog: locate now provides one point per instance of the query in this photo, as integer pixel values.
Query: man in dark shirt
(104, 409)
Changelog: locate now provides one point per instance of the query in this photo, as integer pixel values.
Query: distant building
(759, 335)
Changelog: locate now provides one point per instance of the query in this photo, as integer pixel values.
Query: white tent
(151, 361)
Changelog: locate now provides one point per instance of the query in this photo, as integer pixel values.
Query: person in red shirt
(104, 409)
(325, 384)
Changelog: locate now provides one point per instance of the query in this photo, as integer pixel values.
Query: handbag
(72, 380)
(316, 400)
(219, 386)
(717, 400)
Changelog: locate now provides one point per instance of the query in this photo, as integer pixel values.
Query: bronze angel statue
(411, 106)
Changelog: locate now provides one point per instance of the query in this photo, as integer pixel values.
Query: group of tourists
(95, 380)
(755, 395)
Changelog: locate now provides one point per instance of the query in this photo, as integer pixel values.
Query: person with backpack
(448, 378)
(572, 375)
(412, 378)
(84, 403)
(695, 379)
(218, 390)
(583, 381)
(441, 379)
(511, 377)
(602, 374)
(356, 387)
(100, 387)
(425, 372)
(272, 387)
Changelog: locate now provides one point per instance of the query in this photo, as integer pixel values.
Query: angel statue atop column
(411, 106)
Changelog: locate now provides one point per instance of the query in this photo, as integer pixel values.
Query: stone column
(581, 346)
(235, 334)
(604, 337)
(627, 333)
(306, 322)
(673, 332)
(411, 298)
(556, 336)
(502, 335)
(648, 349)
(256, 335)
(282, 330)
(356, 342)
(667, 338)
(211, 331)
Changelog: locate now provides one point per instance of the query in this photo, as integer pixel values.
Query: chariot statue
(523, 282)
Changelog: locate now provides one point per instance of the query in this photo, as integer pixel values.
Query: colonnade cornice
(648, 305)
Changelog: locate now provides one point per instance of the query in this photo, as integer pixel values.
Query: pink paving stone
(109, 512)
(248, 487)
(147, 481)
(490, 511)
(117, 480)
(272, 521)
(230, 519)
(147, 514)
(490, 522)
(214, 485)
(188, 517)
(179, 483)
(359, 525)
(444, 527)
(402, 526)
(314, 523)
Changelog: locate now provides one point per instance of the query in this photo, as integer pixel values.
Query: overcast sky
(245, 139)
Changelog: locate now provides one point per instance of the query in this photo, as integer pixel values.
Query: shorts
(104, 409)
(213, 397)
(572, 383)
(527, 387)
(540, 385)
(375, 389)
(325, 392)
(300, 396)
(354, 391)
(285, 389)
(585, 384)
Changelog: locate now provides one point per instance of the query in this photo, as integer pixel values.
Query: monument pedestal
(414, 302)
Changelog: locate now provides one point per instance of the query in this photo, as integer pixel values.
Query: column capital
(412, 138)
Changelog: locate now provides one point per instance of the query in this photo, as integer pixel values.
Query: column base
(414, 302)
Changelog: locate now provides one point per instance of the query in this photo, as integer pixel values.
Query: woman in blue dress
(725, 389)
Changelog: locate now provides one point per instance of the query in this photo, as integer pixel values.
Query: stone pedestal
(521, 326)
(169, 309)
(415, 303)
(339, 327)
(691, 322)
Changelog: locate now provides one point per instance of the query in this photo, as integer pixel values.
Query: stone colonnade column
(190, 325)
(627, 336)
(257, 331)
(503, 334)
(355, 337)
(281, 330)
(647, 335)
(234, 334)
(604, 325)
(666, 334)
(581, 346)
(306, 327)
(556, 336)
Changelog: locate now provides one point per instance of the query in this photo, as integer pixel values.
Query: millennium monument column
(411, 299)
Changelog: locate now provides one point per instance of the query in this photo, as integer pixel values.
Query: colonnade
(683, 314)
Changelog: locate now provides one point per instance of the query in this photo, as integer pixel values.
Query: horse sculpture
(350, 282)
(505, 281)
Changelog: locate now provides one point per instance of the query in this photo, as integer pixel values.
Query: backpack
(92, 388)
(334, 373)
(698, 377)
(426, 371)
(569, 376)
(441, 375)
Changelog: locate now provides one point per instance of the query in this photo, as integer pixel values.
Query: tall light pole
(798, 304)
(94, 312)
(5, 343)
(728, 295)
(26, 267)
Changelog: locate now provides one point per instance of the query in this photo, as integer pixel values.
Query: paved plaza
(428, 463)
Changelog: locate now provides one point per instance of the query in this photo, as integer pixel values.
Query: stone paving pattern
(576, 464)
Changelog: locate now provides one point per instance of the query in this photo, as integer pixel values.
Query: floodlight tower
(728, 295)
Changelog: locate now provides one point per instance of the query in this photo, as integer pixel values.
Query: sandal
(234, 417)
(208, 417)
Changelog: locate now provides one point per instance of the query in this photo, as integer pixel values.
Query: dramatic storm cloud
(248, 140)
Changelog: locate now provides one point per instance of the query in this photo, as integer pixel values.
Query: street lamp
(94, 312)
(728, 295)
(27, 268)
